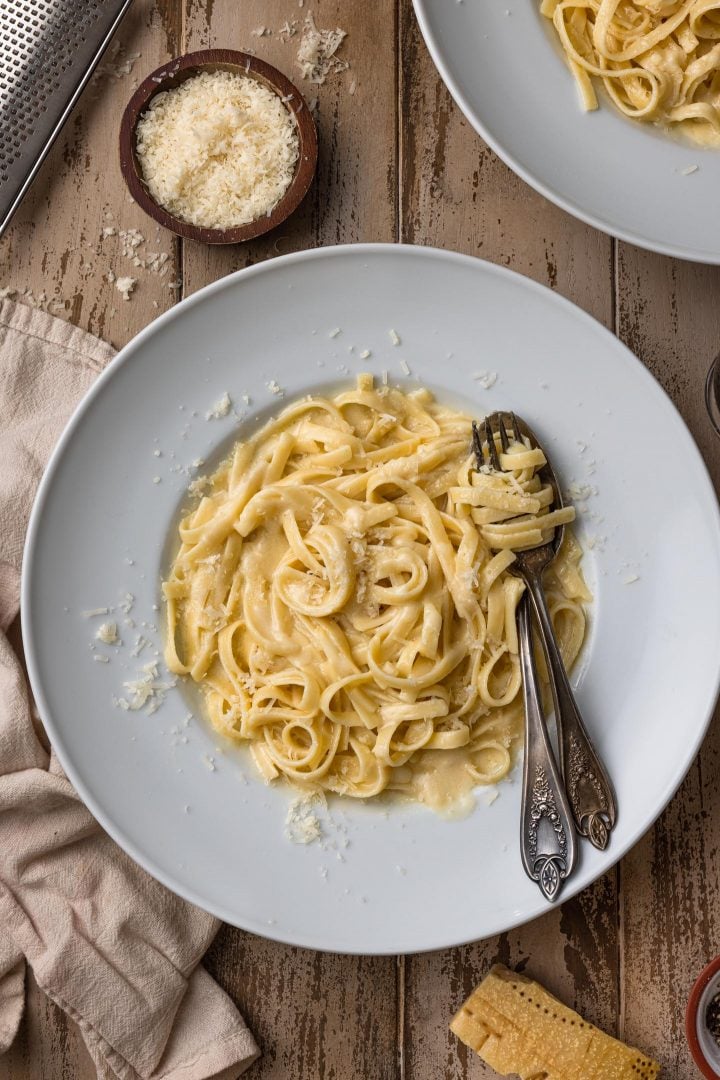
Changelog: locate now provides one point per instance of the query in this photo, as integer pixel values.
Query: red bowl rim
(691, 1016)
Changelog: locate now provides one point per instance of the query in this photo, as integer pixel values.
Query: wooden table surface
(398, 162)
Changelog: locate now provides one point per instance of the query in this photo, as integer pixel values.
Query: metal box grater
(48, 51)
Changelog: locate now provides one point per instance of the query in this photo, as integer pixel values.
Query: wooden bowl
(178, 71)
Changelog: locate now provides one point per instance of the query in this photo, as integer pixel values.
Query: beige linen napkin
(112, 947)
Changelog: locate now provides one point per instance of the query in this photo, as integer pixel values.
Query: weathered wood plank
(354, 197)
(55, 246)
(668, 314)
(48, 1046)
(316, 1015)
(319, 1015)
(457, 194)
(573, 952)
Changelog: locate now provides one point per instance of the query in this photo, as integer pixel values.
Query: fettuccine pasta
(659, 60)
(342, 594)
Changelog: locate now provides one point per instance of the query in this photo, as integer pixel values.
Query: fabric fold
(110, 945)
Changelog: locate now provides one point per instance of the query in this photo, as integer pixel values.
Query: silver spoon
(547, 833)
(587, 784)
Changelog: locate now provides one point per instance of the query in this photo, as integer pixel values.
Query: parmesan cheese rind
(518, 1028)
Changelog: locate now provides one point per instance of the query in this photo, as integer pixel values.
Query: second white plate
(505, 69)
(382, 881)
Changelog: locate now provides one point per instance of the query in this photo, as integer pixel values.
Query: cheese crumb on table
(316, 57)
(219, 151)
(125, 285)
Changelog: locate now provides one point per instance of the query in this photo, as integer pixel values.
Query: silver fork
(588, 786)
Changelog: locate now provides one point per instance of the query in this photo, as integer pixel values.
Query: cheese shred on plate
(218, 151)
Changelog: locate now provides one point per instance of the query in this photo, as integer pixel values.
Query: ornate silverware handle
(588, 786)
(547, 833)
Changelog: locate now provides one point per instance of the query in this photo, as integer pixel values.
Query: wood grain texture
(54, 247)
(667, 312)
(55, 244)
(457, 194)
(316, 1015)
(48, 1045)
(397, 161)
(354, 196)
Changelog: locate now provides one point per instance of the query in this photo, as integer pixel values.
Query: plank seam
(400, 1018)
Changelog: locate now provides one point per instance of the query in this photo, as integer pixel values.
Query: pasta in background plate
(342, 595)
(659, 60)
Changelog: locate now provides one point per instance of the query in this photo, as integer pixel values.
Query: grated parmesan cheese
(125, 285)
(218, 151)
(126, 604)
(302, 825)
(581, 492)
(487, 379)
(316, 57)
(107, 633)
(220, 408)
(146, 692)
(117, 64)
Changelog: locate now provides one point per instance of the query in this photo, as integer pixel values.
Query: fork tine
(492, 448)
(502, 432)
(515, 428)
(477, 445)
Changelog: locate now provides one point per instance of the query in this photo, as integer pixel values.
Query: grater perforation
(48, 50)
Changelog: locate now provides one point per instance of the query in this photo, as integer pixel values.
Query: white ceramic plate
(403, 880)
(501, 62)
